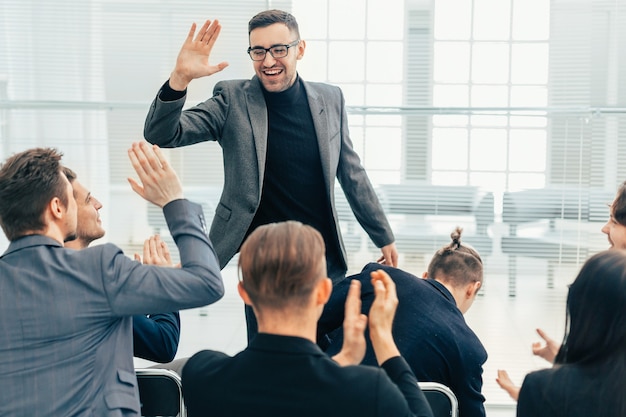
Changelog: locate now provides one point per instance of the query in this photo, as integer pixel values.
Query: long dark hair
(595, 336)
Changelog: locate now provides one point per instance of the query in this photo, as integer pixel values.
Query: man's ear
(243, 294)
(56, 208)
(425, 275)
(472, 289)
(323, 290)
(301, 47)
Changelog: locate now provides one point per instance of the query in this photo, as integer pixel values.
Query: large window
(501, 95)
(491, 54)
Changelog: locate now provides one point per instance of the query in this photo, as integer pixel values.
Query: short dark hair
(456, 263)
(269, 17)
(71, 175)
(618, 207)
(29, 180)
(280, 264)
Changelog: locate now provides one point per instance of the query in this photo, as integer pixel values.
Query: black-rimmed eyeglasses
(277, 51)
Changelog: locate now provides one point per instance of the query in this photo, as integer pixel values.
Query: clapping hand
(353, 348)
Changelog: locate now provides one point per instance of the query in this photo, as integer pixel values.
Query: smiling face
(615, 232)
(89, 224)
(276, 74)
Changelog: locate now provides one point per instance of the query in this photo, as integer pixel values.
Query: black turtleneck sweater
(294, 186)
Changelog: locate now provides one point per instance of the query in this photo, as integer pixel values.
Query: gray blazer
(66, 344)
(236, 117)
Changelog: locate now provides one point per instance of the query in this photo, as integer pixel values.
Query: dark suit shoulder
(203, 363)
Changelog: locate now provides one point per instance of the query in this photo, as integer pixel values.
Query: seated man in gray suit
(66, 315)
(283, 372)
(155, 336)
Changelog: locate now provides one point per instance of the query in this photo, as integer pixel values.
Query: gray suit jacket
(236, 117)
(66, 344)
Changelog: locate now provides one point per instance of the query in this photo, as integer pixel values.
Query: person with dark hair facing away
(589, 373)
(282, 372)
(66, 315)
(429, 327)
(285, 142)
(615, 231)
(155, 336)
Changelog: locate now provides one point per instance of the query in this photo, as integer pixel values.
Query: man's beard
(70, 237)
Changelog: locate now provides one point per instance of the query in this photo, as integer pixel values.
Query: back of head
(29, 180)
(269, 17)
(596, 312)
(457, 264)
(280, 264)
(618, 208)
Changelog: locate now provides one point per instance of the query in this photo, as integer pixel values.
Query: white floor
(505, 325)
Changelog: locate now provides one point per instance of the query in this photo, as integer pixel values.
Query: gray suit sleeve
(133, 288)
(358, 189)
(168, 126)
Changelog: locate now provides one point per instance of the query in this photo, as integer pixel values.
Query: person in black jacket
(429, 327)
(155, 337)
(589, 373)
(283, 372)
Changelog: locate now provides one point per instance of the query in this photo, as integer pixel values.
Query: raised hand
(354, 322)
(193, 59)
(159, 182)
(507, 384)
(381, 316)
(155, 252)
(548, 350)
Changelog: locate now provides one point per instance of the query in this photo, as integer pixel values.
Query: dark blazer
(431, 334)
(155, 337)
(236, 117)
(66, 317)
(284, 376)
(571, 391)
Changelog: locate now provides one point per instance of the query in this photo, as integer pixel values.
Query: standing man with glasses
(284, 142)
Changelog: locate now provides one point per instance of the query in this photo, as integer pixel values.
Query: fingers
(208, 33)
(212, 33)
(164, 253)
(384, 287)
(389, 256)
(544, 335)
(505, 382)
(156, 252)
(354, 324)
(136, 187)
(159, 182)
(503, 377)
(192, 30)
(202, 30)
(353, 301)
(138, 157)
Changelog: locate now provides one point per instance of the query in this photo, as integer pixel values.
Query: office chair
(442, 400)
(160, 393)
